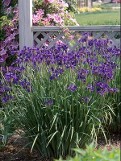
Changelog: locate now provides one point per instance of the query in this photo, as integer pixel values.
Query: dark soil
(15, 150)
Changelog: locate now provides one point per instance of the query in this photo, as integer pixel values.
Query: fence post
(25, 23)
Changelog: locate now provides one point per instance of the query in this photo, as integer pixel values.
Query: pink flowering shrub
(52, 12)
(45, 13)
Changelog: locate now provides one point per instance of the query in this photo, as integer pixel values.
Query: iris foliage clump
(63, 99)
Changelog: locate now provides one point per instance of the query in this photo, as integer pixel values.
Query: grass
(99, 18)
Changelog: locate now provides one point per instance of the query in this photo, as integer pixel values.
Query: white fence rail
(41, 35)
(50, 35)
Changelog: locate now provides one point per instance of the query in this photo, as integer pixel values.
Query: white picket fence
(30, 35)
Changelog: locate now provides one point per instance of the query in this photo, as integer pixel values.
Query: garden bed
(15, 150)
(54, 104)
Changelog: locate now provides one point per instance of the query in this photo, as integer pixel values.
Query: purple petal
(6, 2)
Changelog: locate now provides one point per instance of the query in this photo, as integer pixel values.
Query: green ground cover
(99, 18)
(91, 154)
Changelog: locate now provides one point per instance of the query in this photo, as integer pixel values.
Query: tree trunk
(80, 3)
(86, 3)
(90, 3)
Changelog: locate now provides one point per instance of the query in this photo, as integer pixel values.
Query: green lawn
(99, 18)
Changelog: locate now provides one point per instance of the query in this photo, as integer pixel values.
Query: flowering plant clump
(52, 12)
(97, 58)
(86, 9)
(60, 95)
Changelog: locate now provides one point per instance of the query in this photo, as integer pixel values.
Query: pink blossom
(46, 21)
(62, 3)
(60, 42)
(48, 1)
(6, 2)
(36, 19)
(38, 16)
(8, 11)
(71, 37)
(10, 38)
(2, 52)
(40, 12)
(3, 56)
(56, 18)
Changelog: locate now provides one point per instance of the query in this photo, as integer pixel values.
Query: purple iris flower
(55, 73)
(72, 87)
(85, 99)
(90, 42)
(90, 87)
(113, 90)
(6, 98)
(2, 90)
(2, 60)
(49, 102)
(25, 84)
(82, 74)
(102, 88)
(9, 76)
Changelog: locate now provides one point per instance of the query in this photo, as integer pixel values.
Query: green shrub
(91, 154)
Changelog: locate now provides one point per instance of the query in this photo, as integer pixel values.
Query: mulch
(15, 150)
